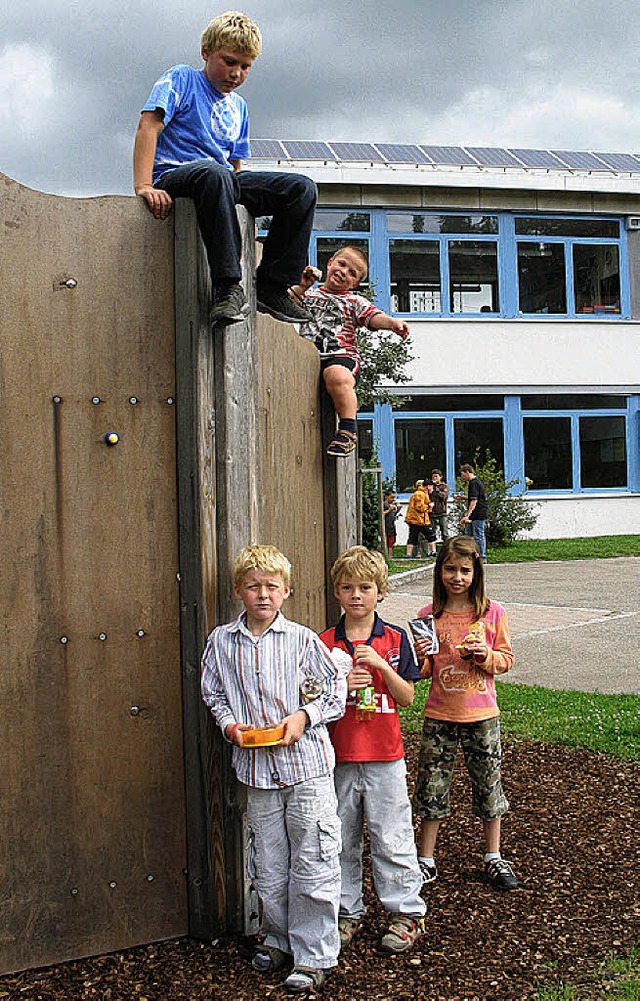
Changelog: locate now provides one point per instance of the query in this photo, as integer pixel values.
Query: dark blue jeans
(289, 199)
(476, 529)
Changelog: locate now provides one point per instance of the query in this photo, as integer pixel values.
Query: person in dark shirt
(477, 508)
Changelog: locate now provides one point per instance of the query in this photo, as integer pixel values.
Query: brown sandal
(343, 444)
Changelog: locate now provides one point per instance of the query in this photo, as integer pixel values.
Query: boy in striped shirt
(263, 670)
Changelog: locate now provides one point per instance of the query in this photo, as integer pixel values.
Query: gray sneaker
(280, 305)
(230, 306)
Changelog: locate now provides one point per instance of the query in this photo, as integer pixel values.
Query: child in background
(370, 772)
(439, 499)
(419, 522)
(462, 708)
(337, 313)
(263, 670)
(390, 511)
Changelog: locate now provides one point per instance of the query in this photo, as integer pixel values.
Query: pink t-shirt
(463, 691)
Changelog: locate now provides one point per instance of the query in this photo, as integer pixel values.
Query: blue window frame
(429, 263)
(584, 444)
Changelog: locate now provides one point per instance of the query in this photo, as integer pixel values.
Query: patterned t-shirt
(336, 317)
(461, 690)
(200, 123)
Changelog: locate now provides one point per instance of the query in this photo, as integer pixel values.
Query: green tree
(508, 515)
(384, 357)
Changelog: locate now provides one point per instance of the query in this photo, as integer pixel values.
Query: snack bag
(425, 629)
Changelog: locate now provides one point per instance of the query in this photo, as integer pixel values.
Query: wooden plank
(341, 524)
(218, 515)
(196, 513)
(290, 478)
(91, 821)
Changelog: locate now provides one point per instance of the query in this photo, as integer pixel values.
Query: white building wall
(518, 355)
(574, 517)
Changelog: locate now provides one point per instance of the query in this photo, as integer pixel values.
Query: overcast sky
(535, 73)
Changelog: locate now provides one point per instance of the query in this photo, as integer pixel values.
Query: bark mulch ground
(573, 838)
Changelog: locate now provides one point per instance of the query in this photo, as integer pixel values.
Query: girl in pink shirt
(474, 646)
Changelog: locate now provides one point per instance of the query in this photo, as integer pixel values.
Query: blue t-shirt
(199, 122)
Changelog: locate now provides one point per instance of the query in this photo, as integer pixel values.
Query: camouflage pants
(482, 754)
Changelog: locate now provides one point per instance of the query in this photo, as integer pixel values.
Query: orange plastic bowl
(263, 736)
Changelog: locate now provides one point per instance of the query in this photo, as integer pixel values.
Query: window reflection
(420, 448)
(473, 281)
(415, 276)
(541, 278)
(547, 452)
(603, 452)
(596, 278)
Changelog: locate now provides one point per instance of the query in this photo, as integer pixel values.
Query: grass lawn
(600, 547)
(603, 723)
(617, 979)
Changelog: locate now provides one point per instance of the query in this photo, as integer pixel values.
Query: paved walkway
(574, 625)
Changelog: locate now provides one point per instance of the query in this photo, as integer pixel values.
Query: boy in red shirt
(370, 771)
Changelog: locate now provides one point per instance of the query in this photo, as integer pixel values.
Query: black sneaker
(230, 306)
(499, 873)
(279, 304)
(429, 872)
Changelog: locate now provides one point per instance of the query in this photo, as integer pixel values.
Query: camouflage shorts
(482, 754)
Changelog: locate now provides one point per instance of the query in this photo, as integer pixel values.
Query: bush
(370, 519)
(508, 515)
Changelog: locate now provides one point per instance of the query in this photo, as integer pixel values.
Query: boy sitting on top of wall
(337, 313)
(192, 137)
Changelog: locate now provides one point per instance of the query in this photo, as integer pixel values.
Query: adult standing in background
(439, 497)
(477, 508)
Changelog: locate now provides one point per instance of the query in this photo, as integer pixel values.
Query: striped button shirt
(259, 680)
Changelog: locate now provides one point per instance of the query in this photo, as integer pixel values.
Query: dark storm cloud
(73, 76)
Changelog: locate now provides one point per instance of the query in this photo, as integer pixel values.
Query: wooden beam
(340, 519)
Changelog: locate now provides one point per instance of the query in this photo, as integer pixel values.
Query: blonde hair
(268, 559)
(465, 547)
(233, 30)
(364, 564)
(359, 253)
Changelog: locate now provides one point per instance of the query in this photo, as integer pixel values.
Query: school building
(519, 272)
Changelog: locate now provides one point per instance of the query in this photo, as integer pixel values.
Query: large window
(477, 435)
(603, 452)
(548, 452)
(420, 447)
(415, 276)
(440, 268)
(565, 267)
(425, 263)
(583, 446)
(473, 276)
(542, 278)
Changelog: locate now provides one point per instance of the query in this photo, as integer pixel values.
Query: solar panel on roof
(267, 149)
(355, 151)
(493, 157)
(579, 160)
(453, 155)
(307, 149)
(537, 158)
(621, 161)
(399, 153)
